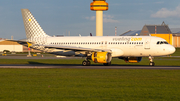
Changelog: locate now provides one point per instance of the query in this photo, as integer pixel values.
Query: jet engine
(131, 59)
(101, 57)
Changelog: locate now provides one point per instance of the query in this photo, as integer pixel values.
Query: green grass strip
(89, 85)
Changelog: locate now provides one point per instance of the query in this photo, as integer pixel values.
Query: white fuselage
(120, 46)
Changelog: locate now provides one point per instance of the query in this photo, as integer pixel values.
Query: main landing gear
(86, 63)
(151, 61)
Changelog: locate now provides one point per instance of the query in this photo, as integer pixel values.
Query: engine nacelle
(101, 57)
(131, 59)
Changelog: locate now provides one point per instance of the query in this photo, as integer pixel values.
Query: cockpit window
(162, 42)
(166, 42)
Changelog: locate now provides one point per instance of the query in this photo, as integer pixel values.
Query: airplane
(99, 49)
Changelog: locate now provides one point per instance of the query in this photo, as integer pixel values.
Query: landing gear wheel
(107, 64)
(151, 63)
(86, 63)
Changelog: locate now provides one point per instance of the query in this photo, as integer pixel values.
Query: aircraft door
(147, 44)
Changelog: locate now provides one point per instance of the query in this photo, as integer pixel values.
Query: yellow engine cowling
(131, 59)
(101, 57)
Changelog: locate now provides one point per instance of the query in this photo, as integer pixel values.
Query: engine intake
(101, 57)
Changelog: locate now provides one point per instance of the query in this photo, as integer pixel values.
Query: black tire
(88, 63)
(84, 63)
(151, 63)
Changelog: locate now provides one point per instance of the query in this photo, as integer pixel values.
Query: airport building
(10, 46)
(172, 36)
(131, 33)
(176, 37)
(162, 31)
(13, 47)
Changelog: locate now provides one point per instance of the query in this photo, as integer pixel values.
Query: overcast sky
(57, 16)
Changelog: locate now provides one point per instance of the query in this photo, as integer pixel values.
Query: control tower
(99, 6)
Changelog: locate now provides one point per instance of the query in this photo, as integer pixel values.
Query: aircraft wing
(76, 48)
(22, 42)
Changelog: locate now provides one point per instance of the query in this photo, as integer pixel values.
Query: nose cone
(172, 49)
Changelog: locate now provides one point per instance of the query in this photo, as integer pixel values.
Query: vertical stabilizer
(32, 27)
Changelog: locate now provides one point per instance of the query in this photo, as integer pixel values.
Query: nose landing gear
(151, 61)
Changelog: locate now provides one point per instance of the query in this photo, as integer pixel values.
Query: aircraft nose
(172, 49)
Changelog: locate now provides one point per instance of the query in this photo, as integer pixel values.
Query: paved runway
(91, 67)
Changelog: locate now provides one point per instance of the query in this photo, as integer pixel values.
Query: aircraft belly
(117, 52)
(64, 53)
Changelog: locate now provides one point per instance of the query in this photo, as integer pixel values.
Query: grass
(89, 85)
(177, 52)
